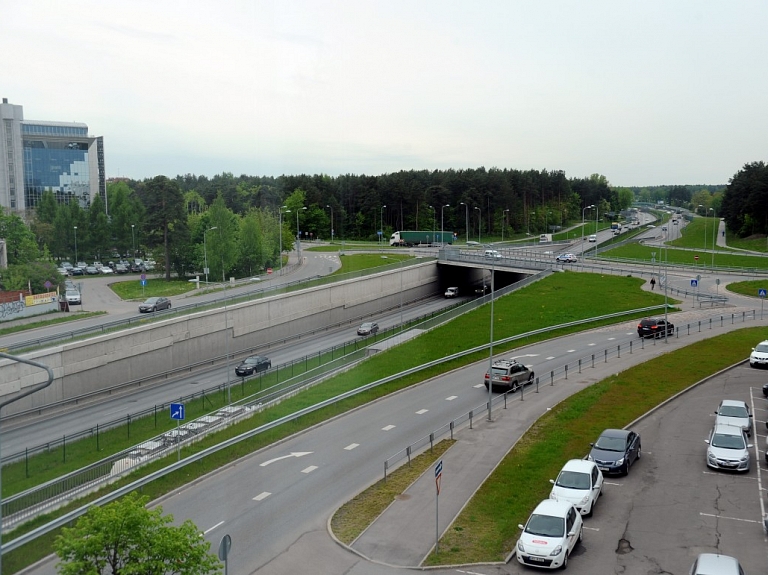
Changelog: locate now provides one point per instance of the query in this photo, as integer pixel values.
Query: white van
(492, 254)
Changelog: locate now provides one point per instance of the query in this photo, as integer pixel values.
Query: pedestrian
(653, 283)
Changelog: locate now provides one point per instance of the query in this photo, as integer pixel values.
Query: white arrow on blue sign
(694, 283)
(177, 411)
(761, 292)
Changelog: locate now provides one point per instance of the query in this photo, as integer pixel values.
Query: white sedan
(550, 535)
(579, 482)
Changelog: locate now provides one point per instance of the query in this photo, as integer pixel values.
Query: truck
(415, 238)
(545, 238)
(452, 292)
(615, 226)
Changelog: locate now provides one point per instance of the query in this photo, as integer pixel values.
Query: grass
(71, 316)
(358, 262)
(748, 288)
(132, 290)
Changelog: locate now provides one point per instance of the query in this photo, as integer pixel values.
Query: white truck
(452, 292)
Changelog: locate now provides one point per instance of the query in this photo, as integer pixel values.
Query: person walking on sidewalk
(653, 283)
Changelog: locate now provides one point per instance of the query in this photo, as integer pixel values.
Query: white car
(72, 297)
(106, 270)
(734, 412)
(550, 535)
(492, 254)
(567, 258)
(708, 563)
(759, 355)
(728, 448)
(579, 482)
(593, 238)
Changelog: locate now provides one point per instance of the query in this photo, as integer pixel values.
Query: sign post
(438, 476)
(761, 294)
(695, 284)
(177, 413)
(224, 546)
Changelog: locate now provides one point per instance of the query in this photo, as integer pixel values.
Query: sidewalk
(405, 533)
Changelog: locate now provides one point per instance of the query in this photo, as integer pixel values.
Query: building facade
(37, 156)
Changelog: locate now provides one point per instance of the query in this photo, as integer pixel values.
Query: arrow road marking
(293, 454)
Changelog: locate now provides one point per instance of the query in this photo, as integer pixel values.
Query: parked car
(615, 450)
(508, 375)
(91, 271)
(121, 269)
(253, 364)
(63, 271)
(593, 238)
(368, 328)
(655, 327)
(76, 271)
(81, 265)
(66, 265)
(154, 304)
(550, 535)
(106, 270)
(579, 482)
(759, 355)
(567, 258)
(765, 392)
(72, 297)
(734, 412)
(716, 564)
(137, 268)
(728, 448)
(452, 292)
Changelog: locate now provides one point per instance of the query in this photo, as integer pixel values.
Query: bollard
(451, 430)
(432, 441)
(593, 360)
(721, 321)
(579, 366)
(522, 391)
(689, 329)
(537, 385)
(699, 326)
(710, 323)
(732, 318)
(606, 356)
(551, 378)
(470, 419)
(566, 371)
(386, 465)
(630, 347)
(618, 352)
(408, 453)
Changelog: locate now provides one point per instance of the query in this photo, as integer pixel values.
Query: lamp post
(466, 209)
(479, 217)
(490, 347)
(205, 253)
(503, 217)
(714, 235)
(533, 213)
(582, 226)
(75, 244)
(280, 233)
(298, 233)
(331, 207)
(381, 222)
(442, 229)
(433, 224)
(133, 240)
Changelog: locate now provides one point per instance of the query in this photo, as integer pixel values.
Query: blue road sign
(177, 411)
(761, 292)
(143, 282)
(694, 283)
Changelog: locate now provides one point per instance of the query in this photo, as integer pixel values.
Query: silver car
(728, 448)
(734, 412)
(710, 563)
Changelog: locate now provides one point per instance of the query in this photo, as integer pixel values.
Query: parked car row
(556, 526)
(120, 267)
(727, 445)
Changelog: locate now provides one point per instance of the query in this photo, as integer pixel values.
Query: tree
(126, 538)
(98, 227)
(222, 242)
(165, 207)
(19, 239)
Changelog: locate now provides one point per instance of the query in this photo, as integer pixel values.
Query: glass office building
(56, 156)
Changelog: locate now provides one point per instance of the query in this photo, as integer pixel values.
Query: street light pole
(433, 224)
(490, 347)
(133, 240)
(329, 206)
(205, 253)
(75, 244)
(466, 209)
(479, 218)
(280, 233)
(442, 228)
(714, 235)
(582, 226)
(381, 223)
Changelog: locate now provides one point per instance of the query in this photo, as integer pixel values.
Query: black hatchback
(615, 450)
(655, 327)
(253, 364)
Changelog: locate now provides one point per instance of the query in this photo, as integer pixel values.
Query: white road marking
(261, 496)
(422, 411)
(292, 454)
(309, 469)
(351, 446)
(732, 518)
(479, 385)
(388, 427)
(207, 531)
(591, 344)
(592, 528)
(550, 357)
(734, 476)
(611, 483)
(451, 397)
(571, 350)
(611, 338)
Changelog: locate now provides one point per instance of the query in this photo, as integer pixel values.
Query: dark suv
(252, 364)
(655, 327)
(509, 375)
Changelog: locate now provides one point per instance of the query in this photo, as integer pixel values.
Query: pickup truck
(452, 292)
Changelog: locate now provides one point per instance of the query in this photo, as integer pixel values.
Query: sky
(644, 93)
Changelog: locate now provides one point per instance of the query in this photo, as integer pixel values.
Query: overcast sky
(645, 93)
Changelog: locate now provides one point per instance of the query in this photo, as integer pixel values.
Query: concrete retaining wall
(110, 360)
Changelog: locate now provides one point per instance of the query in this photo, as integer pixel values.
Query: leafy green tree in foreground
(126, 538)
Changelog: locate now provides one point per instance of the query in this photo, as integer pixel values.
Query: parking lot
(671, 506)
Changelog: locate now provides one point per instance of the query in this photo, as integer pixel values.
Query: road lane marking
(261, 496)
(422, 411)
(591, 344)
(207, 531)
(571, 350)
(479, 385)
(611, 483)
(451, 397)
(611, 338)
(734, 476)
(388, 428)
(732, 518)
(351, 446)
(292, 454)
(309, 469)
(592, 528)
(550, 357)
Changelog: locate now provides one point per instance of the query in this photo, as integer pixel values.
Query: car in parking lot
(615, 450)
(728, 448)
(567, 258)
(550, 535)
(121, 269)
(154, 304)
(72, 297)
(368, 328)
(253, 364)
(580, 482)
(716, 564)
(508, 375)
(759, 355)
(655, 327)
(734, 412)
(63, 271)
(92, 270)
(106, 270)
(76, 271)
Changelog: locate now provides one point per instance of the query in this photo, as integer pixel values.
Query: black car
(76, 272)
(615, 450)
(154, 304)
(253, 364)
(655, 327)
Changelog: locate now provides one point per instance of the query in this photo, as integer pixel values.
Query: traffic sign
(143, 276)
(269, 270)
(177, 411)
(143, 282)
(761, 292)
(694, 283)
(438, 474)
(696, 258)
